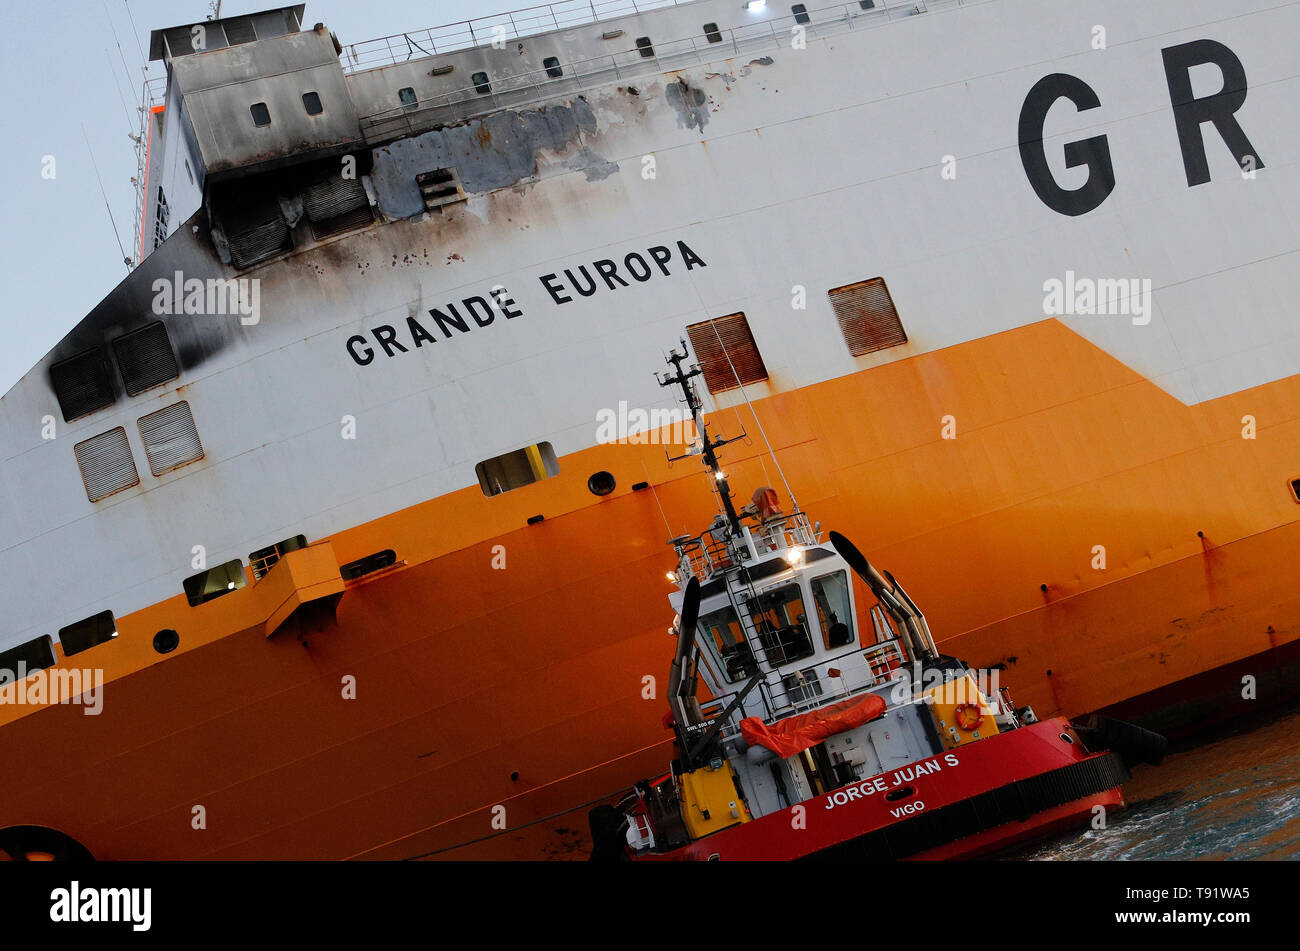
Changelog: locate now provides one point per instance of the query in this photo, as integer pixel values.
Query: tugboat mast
(683, 379)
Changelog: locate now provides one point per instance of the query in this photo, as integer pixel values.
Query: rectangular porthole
(311, 102)
(82, 384)
(215, 582)
(481, 84)
(406, 96)
(170, 438)
(107, 465)
(262, 560)
(553, 68)
(18, 662)
(86, 634)
(371, 563)
(1295, 490)
(867, 316)
(645, 47)
(712, 33)
(261, 114)
(800, 12)
(145, 358)
(727, 353)
(516, 469)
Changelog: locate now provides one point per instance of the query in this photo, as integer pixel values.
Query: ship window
(782, 625)
(261, 114)
(645, 46)
(481, 84)
(406, 96)
(106, 464)
(364, 566)
(867, 316)
(516, 469)
(170, 438)
(712, 33)
(145, 358)
(867, 4)
(17, 662)
(82, 384)
(440, 187)
(1295, 489)
(601, 483)
(727, 353)
(553, 68)
(215, 582)
(84, 635)
(834, 612)
(721, 631)
(239, 30)
(800, 12)
(311, 102)
(262, 560)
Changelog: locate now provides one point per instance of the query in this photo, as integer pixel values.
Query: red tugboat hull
(980, 798)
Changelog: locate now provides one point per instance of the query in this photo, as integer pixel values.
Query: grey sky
(63, 69)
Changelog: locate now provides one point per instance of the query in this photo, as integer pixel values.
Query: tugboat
(833, 734)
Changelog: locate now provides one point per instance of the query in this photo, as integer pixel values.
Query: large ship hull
(1103, 508)
(524, 687)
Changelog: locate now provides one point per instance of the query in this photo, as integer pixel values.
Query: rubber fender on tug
(1133, 743)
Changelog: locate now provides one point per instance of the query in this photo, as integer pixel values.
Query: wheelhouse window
(722, 632)
(782, 625)
(516, 469)
(834, 609)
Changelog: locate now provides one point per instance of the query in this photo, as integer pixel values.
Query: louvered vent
(170, 439)
(82, 384)
(106, 464)
(440, 187)
(335, 205)
(145, 358)
(715, 340)
(867, 316)
(253, 222)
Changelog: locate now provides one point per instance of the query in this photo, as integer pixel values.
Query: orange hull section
(523, 688)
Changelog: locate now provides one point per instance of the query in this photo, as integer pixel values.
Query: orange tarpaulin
(795, 734)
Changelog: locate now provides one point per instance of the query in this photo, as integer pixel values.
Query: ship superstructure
(345, 419)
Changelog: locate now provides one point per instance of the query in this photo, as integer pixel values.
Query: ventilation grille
(736, 342)
(82, 384)
(336, 205)
(145, 358)
(259, 242)
(106, 464)
(253, 222)
(867, 316)
(440, 187)
(170, 439)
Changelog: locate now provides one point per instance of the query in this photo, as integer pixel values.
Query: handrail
(479, 31)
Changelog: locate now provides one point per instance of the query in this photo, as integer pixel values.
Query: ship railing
(496, 27)
(810, 687)
(573, 76)
(715, 549)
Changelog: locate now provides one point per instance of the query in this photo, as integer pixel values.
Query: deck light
(794, 556)
(672, 576)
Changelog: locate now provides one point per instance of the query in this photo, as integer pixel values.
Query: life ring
(968, 716)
